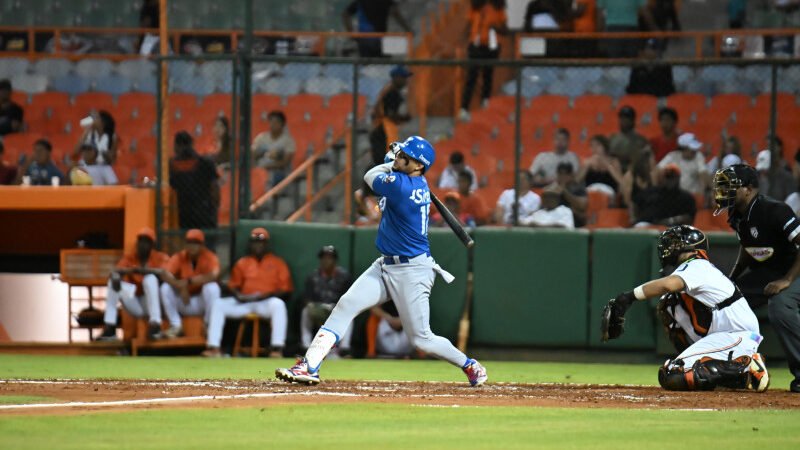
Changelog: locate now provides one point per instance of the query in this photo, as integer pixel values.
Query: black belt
(389, 260)
(737, 295)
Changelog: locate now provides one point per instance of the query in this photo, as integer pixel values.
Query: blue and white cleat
(475, 372)
(299, 373)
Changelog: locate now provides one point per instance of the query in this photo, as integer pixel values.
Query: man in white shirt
(529, 201)
(88, 172)
(274, 148)
(545, 164)
(705, 314)
(689, 158)
(449, 178)
(552, 213)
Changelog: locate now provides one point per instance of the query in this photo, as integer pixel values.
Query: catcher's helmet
(679, 239)
(727, 180)
(420, 149)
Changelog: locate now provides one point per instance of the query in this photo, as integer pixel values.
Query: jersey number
(424, 212)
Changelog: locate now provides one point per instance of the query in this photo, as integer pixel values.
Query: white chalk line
(150, 401)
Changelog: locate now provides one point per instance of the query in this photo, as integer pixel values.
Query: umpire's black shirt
(766, 231)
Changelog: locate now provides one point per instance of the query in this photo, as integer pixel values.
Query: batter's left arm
(373, 173)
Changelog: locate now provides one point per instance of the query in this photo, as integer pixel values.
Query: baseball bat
(464, 324)
(453, 222)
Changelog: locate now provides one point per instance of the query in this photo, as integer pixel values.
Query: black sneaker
(794, 386)
(109, 334)
(154, 331)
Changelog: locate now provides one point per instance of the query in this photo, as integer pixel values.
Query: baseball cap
(328, 250)
(195, 235)
(746, 174)
(259, 234)
(672, 169)
(146, 232)
(688, 140)
(400, 71)
(627, 111)
(730, 160)
(763, 160)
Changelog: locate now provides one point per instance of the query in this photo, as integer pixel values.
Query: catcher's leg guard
(673, 377)
(705, 375)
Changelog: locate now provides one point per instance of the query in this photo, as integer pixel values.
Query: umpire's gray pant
(784, 315)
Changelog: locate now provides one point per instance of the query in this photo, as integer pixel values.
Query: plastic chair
(612, 218)
(595, 103)
(183, 103)
(214, 105)
(281, 86)
(341, 106)
(303, 106)
(642, 103)
(549, 104)
(94, 68)
(10, 67)
(343, 72)
(93, 101)
(29, 83)
(727, 104)
(786, 104)
(135, 104)
(20, 98)
(301, 71)
(136, 69)
(324, 86)
(113, 84)
(53, 67)
(687, 105)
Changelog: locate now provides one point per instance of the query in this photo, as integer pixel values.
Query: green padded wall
(530, 287)
(447, 300)
(621, 260)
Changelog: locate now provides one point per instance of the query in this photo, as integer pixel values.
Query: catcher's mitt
(613, 323)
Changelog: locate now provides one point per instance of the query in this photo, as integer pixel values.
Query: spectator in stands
(649, 75)
(274, 149)
(691, 162)
(87, 171)
(668, 140)
(149, 17)
(194, 179)
(40, 168)
(222, 142)
(472, 206)
(390, 338)
(449, 177)
(261, 284)
(659, 15)
(11, 114)
(324, 287)
(552, 214)
(368, 211)
(730, 153)
(584, 13)
(134, 282)
(620, 16)
(544, 165)
(737, 12)
(99, 129)
(8, 172)
(373, 17)
(666, 204)
(573, 194)
(487, 19)
(189, 283)
(774, 180)
(389, 112)
(601, 171)
(452, 200)
(627, 145)
(640, 176)
(528, 201)
(542, 15)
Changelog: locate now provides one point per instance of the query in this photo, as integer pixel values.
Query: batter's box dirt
(73, 396)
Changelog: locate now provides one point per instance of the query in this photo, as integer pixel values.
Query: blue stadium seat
(281, 86)
(301, 71)
(542, 75)
(13, 66)
(342, 72)
(198, 86)
(583, 74)
(114, 84)
(371, 87)
(149, 85)
(53, 67)
(137, 68)
(94, 68)
(72, 84)
(324, 86)
(29, 83)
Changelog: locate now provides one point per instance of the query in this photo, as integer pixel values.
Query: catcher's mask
(677, 240)
(728, 180)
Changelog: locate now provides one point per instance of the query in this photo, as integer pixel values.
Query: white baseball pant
(198, 305)
(307, 331)
(272, 308)
(409, 286)
(138, 306)
(685, 322)
(719, 346)
(390, 341)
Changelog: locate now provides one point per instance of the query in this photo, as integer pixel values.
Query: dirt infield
(80, 396)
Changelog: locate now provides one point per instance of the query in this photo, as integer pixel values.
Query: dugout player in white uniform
(711, 310)
(405, 273)
(768, 266)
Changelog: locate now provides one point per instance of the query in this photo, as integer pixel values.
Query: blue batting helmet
(420, 149)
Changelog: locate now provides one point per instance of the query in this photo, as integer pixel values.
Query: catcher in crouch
(706, 316)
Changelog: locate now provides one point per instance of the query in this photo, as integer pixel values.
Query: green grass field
(379, 425)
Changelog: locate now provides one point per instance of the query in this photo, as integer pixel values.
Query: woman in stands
(729, 154)
(100, 132)
(221, 152)
(601, 171)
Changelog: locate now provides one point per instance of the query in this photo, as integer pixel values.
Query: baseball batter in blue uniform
(404, 273)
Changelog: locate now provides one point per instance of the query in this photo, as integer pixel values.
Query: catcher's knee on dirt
(705, 375)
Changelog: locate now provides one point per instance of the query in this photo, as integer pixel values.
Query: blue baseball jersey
(406, 205)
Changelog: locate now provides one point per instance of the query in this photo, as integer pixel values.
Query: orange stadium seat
(490, 194)
(58, 100)
(642, 103)
(20, 98)
(258, 182)
(135, 128)
(341, 105)
(594, 102)
(135, 105)
(63, 146)
(503, 103)
(549, 104)
(724, 105)
(612, 218)
(786, 103)
(214, 105)
(265, 103)
(536, 118)
(93, 101)
(46, 119)
(304, 107)
(687, 104)
(181, 104)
